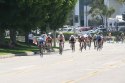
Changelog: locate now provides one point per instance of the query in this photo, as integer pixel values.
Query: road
(89, 66)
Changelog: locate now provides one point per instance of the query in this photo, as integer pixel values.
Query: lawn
(21, 47)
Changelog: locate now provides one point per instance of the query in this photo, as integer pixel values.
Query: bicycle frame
(61, 47)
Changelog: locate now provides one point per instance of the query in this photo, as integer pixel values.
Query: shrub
(68, 34)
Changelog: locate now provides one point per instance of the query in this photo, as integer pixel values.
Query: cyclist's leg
(60, 47)
(74, 46)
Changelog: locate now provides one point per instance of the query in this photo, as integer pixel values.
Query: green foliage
(27, 15)
(113, 33)
(20, 48)
(68, 34)
(100, 9)
(58, 12)
(121, 1)
(94, 22)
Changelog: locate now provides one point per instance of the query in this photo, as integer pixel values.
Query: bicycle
(41, 49)
(61, 47)
(73, 46)
(81, 46)
(99, 45)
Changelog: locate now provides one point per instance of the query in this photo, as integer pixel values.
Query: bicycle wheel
(60, 49)
(41, 51)
(81, 47)
(99, 46)
(85, 45)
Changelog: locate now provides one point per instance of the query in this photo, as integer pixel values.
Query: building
(81, 13)
(119, 8)
(115, 22)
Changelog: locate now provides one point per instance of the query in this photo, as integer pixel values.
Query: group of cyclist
(45, 41)
(84, 41)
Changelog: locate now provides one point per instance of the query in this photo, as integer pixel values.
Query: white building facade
(76, 19)
(119, 8)
(81, 15)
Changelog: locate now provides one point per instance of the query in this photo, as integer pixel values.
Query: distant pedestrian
(30, 38)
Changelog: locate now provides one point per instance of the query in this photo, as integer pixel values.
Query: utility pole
(86, 17)
(74, 17)
(85, 13)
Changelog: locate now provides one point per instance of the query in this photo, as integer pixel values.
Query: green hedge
(68, 34)
(113, 33)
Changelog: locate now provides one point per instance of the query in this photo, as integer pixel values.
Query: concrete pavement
(90, 66)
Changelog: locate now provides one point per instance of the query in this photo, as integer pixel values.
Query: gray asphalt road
(90, 66)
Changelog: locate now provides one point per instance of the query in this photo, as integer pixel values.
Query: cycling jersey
(49, 39)
(61, 38)
(41, 40)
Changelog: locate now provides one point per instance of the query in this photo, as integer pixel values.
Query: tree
(22, 14)
(26, 15)
(99, 9)
(29, 15)
(108, 12)
(62, 9)
(121, 1)
(8, 16)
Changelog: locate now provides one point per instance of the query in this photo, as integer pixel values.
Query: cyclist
(41, 44)
(81, 40)
(94, 40)
(49, 42)
(41, 41)
(72, 41)
(122, 37)
(86, 41)
(99, 40)
(44, 36)
(61, 38)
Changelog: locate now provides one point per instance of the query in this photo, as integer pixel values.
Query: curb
(14, 55)
(24, 54)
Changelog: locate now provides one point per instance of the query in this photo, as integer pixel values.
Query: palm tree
(99, 9)
(107, 12)
(121, 1)
(97, 12)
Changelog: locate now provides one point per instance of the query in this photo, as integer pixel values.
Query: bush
(68, 34)
(112, 33)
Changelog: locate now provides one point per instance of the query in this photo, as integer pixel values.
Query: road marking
(107, 67)
(26, 69)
